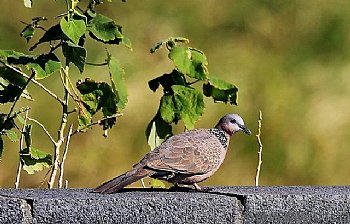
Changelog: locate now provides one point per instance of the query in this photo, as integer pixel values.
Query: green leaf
(35, 160)
(157, 131)
(98, 96)
(167, 108)
(189, 104)
(104, 29)
(73, 28)
(75, 54)
(1, 146)
(220, 90)
(28, 32)
(84, 117)
(5, 54)
(45, 65)
(157, 183)
(189, 61)
(181, 56)
(117, 77)
(11, 135)
(12, 77)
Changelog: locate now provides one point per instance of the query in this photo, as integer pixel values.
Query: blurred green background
(290, 59)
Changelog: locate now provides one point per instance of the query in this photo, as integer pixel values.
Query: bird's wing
(193, 152)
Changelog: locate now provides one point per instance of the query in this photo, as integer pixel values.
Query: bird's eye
(233, 121)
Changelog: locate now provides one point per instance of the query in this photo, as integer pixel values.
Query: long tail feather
(119, 182)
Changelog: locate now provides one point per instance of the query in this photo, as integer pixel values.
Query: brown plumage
(186, 158)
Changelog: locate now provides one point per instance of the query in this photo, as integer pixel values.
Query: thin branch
(43, 127)
(97, 122)
(35, 82)
(43, 181)
(19, 95)
(260, 149)
(60, 140)
(60, 178)
(96, 64)
(20, 165)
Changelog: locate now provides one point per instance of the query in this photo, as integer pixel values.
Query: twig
(96, 64)
(143, 183)
(35, 82)
(43, 127)
(260, 149)
(20, 165)
(19, 96)
(46, 175)
(64, 156)
(97, 122)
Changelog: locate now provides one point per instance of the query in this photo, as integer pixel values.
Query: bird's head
(232, 123)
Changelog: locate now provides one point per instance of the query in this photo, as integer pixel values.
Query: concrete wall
(214, 205)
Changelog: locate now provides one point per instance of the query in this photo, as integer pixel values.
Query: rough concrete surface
(213, 205)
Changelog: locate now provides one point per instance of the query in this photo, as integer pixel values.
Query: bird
(186, 158)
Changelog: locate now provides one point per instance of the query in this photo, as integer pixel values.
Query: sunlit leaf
(45, 65)
(35, 160)
(117, 76)
(189, 104)
(220, 90)
(73, 28)
(157, 183)
(157, 131)
(12, 135)
(167, 108)
(104, 28)
(28, 32)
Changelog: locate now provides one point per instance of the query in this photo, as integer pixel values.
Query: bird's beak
(245, 129)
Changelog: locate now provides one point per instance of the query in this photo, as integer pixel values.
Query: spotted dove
(186, 158)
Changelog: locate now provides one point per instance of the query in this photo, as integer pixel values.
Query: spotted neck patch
(220, 135)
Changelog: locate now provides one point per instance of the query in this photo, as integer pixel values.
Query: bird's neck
(221, 135)
(224, 129)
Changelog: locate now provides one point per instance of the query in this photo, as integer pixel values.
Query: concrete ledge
(215, 205)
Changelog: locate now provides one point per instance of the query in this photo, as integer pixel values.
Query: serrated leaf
(75, 54)
(189, 104)
(157, 183)
(99, 96)
(104, 29)
(117, 77)
(181, 56)
(167, 108)
(157, 131)
(189, 61)
(11, 135)
(35, 160)
(73, 28)
(28, 3)
(220, 90)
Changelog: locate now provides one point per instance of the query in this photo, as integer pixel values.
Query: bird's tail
(119, 182)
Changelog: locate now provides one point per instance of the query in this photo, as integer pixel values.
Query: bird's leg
(197, 187)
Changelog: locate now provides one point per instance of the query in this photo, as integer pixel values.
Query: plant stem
(35, 82)
(43, 127)
(19, 168)
(260, 150)
(60, 178)
(60, 139)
